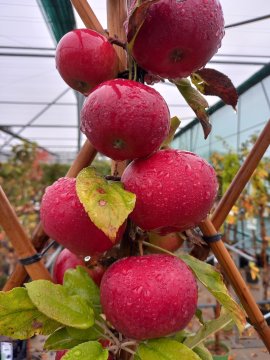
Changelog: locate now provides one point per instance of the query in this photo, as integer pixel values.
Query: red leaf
(213, 82)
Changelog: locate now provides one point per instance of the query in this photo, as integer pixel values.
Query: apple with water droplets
(65, 220)
(124, 119)
(84, 59)
(148, 296)
(174, 189)
(178, 37)
(67, 260)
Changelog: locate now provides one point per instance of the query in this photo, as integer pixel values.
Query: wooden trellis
(116, 15)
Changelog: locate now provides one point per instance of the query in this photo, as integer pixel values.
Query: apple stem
(157, 248)
(129, 343)
(108, 331)
(115, 41)
(128, 350)
(141, 247)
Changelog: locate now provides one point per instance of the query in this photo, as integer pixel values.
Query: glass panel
(253, 107)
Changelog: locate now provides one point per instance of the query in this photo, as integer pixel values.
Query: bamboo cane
(88, 16)
(116, 16)
(19, 239)
(242, 177)
(239, 285)
(83, 159)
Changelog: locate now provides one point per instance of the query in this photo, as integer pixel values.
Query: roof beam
(16, 136)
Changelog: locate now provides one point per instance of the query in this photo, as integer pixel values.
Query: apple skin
(179, 37)
(67, 260)
(170, 242)
(60, 354)
(84, 59)
(64, 219)
(124, 119)
(149, 296)
(174, 189)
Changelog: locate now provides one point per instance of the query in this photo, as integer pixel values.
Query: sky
(28, 80)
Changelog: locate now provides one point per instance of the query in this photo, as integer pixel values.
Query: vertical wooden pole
(239, 285)
(19, 239)
(116, 16)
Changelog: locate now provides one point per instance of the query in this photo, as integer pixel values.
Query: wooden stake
(116, 16)
(39, 239)
(19, 239)
(239, 285)
(242, 177)
(88, 16)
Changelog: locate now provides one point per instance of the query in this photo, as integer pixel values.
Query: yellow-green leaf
(203, 352)
(213, 281)
(19, 317)
(91, 350)
(164, 349)
(55, 302)
(106, 202)
(175, 122)
(209, 328)
(197, 102)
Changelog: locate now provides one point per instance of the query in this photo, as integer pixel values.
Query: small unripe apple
(179, 37)
(67, 260)
(85, 58)
(149, 296)
(170, 242)
(64, 219)
(124, 119)
(174, 189)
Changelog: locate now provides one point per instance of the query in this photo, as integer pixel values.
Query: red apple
(170, 242)
(60, 354)
(179, 37)
(174, 189)
(124, 119)
(148, 296)
(84, 59)
(64, 219)
(67, 260)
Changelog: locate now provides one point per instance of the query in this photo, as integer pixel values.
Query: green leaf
(212, 280)
(199, 316)
(91, 350)
(164, 349)
(203, 352)
(197, 102)
(19, 317)
(78, 282)
(106, 202)
(55, 302)
(175, 122)
(209, 328)
(93, 333)
(213, 82)
(61, 340)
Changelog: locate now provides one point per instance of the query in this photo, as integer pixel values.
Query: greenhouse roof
(38, 106)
